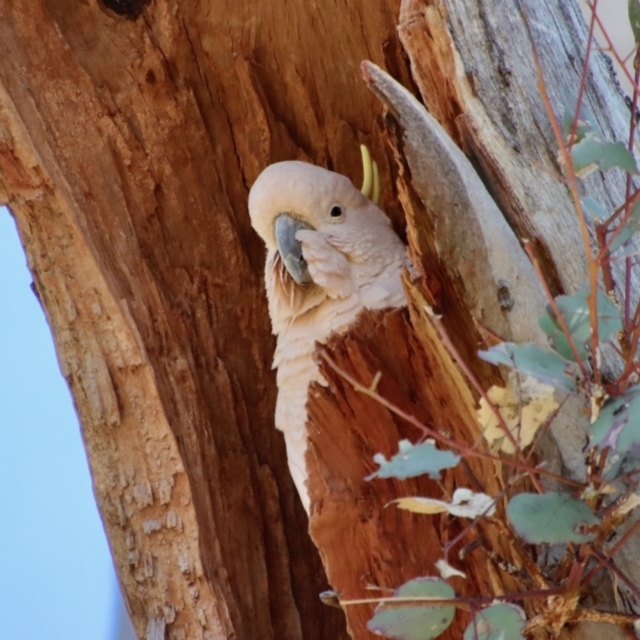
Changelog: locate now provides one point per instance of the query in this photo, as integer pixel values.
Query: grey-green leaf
(502, 621)
(593, 152)
(575, 311)
(584, 126)
(593, 209)
(530, 359)
(623, 237)
(415, 623)
(631, 227)
(550, 517)
(634, 19)
(618, 424)
(414, 460)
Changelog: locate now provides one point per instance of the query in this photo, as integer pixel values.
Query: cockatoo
(331, 252)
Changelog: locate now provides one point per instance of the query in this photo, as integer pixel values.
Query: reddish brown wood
(127, 146)
(365, 541)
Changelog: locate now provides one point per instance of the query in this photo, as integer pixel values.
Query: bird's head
(320, 231)
(290, 196)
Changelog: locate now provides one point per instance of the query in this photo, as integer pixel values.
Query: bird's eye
(336, 211)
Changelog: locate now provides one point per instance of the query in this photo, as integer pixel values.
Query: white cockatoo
(331, 252)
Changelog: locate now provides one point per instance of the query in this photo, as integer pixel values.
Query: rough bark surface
(473, 64)
(347, 428)
(480, 58)
(128, 140)
(130, 132)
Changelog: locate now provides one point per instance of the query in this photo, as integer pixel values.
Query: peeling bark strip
(126, 150)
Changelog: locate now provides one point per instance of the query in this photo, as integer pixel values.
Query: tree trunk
(130, 132)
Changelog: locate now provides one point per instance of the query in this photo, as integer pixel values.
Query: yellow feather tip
(367, 171)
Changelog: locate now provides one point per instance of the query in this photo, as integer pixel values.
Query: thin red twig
(463, 450)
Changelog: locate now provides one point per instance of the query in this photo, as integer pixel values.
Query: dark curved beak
(290, 249)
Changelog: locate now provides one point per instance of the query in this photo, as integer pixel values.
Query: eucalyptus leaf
(550, 517)
(593, 210)
(634, 19)
(618, 424)
(619, 465)
(465, 504)
(623, 237)
(593, 153)
(631, 226)
(530, 359)
(503, 621)
(575, 311)
(414, 460)
(415, 623)
(584, 126)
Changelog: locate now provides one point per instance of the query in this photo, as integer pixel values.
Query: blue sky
(56, 576)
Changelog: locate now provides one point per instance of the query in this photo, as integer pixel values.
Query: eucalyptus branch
(463, 450)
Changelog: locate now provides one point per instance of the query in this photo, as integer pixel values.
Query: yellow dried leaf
(465, 504)
(422, 505)
(523, 416)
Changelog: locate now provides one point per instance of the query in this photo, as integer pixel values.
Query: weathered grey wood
(481, 52)
(492, 81)
(473, 238)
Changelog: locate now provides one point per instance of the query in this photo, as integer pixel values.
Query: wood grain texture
(459, 249)
(473, 63)
(127, 146)
(365, 540)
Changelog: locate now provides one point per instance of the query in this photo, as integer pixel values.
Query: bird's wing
(329, 268)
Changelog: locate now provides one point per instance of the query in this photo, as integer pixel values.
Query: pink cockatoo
(331, 252)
